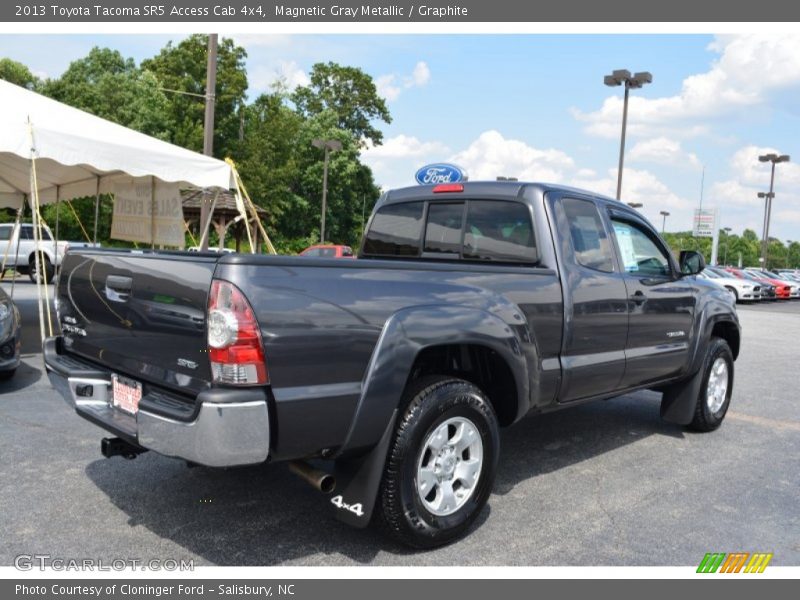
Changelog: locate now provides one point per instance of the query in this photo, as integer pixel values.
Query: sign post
(705, 225)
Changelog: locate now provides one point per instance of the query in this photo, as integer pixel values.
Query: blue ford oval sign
(439, 173)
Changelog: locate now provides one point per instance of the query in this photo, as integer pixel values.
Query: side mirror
(691, 262)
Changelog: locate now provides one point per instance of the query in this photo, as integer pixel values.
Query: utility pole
(774, 159)
(328, 146)
(208, 132)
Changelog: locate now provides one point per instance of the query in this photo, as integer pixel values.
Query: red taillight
(234, 338)
(444, 188)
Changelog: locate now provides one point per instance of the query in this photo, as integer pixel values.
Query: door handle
(638, 297)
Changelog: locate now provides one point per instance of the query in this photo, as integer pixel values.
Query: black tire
(704, 418)
(49, 270)
(428, 404)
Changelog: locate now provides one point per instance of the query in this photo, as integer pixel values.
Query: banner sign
(148, 211)
(705, 222)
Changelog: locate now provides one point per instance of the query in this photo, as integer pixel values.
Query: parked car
(782, 291)
(328, 251)
(794, 289)
(21, 250)
(742, 290)
(471, 306)
(10, 336)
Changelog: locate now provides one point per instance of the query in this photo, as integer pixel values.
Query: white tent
(79, 154)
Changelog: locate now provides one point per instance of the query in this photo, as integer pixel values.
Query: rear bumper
(228, 427)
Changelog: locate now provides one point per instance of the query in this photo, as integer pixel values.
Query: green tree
(182, 67)
(350, 94)
(17, 73)
(110, 86)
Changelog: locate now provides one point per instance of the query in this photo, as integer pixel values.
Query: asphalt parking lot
(602, 484)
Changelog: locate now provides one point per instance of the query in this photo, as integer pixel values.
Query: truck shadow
(267, 516)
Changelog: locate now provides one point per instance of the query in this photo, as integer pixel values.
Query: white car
(742, 289)
(20, 250)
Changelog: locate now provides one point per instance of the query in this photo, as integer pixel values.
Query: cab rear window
(395, 230)
(474, 230)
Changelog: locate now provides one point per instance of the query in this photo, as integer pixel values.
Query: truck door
(595, 301)
(661, 305)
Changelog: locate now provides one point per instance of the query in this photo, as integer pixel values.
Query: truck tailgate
(142, 315)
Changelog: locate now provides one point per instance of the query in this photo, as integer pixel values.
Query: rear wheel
(46, 266)
(716, 389)
(441, 465)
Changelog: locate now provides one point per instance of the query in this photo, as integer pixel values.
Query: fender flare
(404, 336)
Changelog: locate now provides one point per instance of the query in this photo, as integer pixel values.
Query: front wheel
(716, 388)
(442, 463)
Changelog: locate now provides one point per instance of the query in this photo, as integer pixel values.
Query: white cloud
(663, 151)
(249, 40)
(421, 74)
(404, 146)
(738, 198)
(748, 69)
(391, 85)
(492, 155)
(262, 78)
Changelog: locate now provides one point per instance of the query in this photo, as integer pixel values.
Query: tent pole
(152, 213)
(96, 209)
(19, 235)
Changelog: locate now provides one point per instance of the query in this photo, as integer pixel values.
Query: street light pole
(623, 77)
(329, 146)
(774, 159)
(664, 214)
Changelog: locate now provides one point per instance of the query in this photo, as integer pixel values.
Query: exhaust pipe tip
(319, 480)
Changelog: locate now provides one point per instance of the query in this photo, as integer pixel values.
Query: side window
(639, 252)
(443, 230)
(347, 251)
(5, 233)
(26, 233)
(311, 252)
(499, 231)
(589, 240)
(327, 252)
(46, 235)
(395, 230)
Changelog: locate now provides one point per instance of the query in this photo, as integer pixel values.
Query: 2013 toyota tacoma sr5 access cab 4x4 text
(470, 306)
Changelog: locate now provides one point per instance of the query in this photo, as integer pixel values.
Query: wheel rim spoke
(717, 388)
(467, 472)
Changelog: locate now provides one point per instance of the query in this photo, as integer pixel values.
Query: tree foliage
(182, 68)
(110, 86)
(17, 73)
(350, 94)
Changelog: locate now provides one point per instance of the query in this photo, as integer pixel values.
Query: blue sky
(534, 106)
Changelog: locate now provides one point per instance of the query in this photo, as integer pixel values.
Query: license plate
(126, 394)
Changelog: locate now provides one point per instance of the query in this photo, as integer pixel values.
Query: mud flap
(359, 479)
(680, 399)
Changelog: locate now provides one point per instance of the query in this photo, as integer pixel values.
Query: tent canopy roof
(79, 154)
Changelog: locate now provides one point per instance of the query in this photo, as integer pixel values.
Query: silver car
(10, 338)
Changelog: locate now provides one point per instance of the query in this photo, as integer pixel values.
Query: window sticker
(625, 241)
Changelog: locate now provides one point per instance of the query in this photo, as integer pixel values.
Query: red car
(328, 251)
(782, 290)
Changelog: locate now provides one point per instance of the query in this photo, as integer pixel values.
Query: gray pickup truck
(470, 306)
